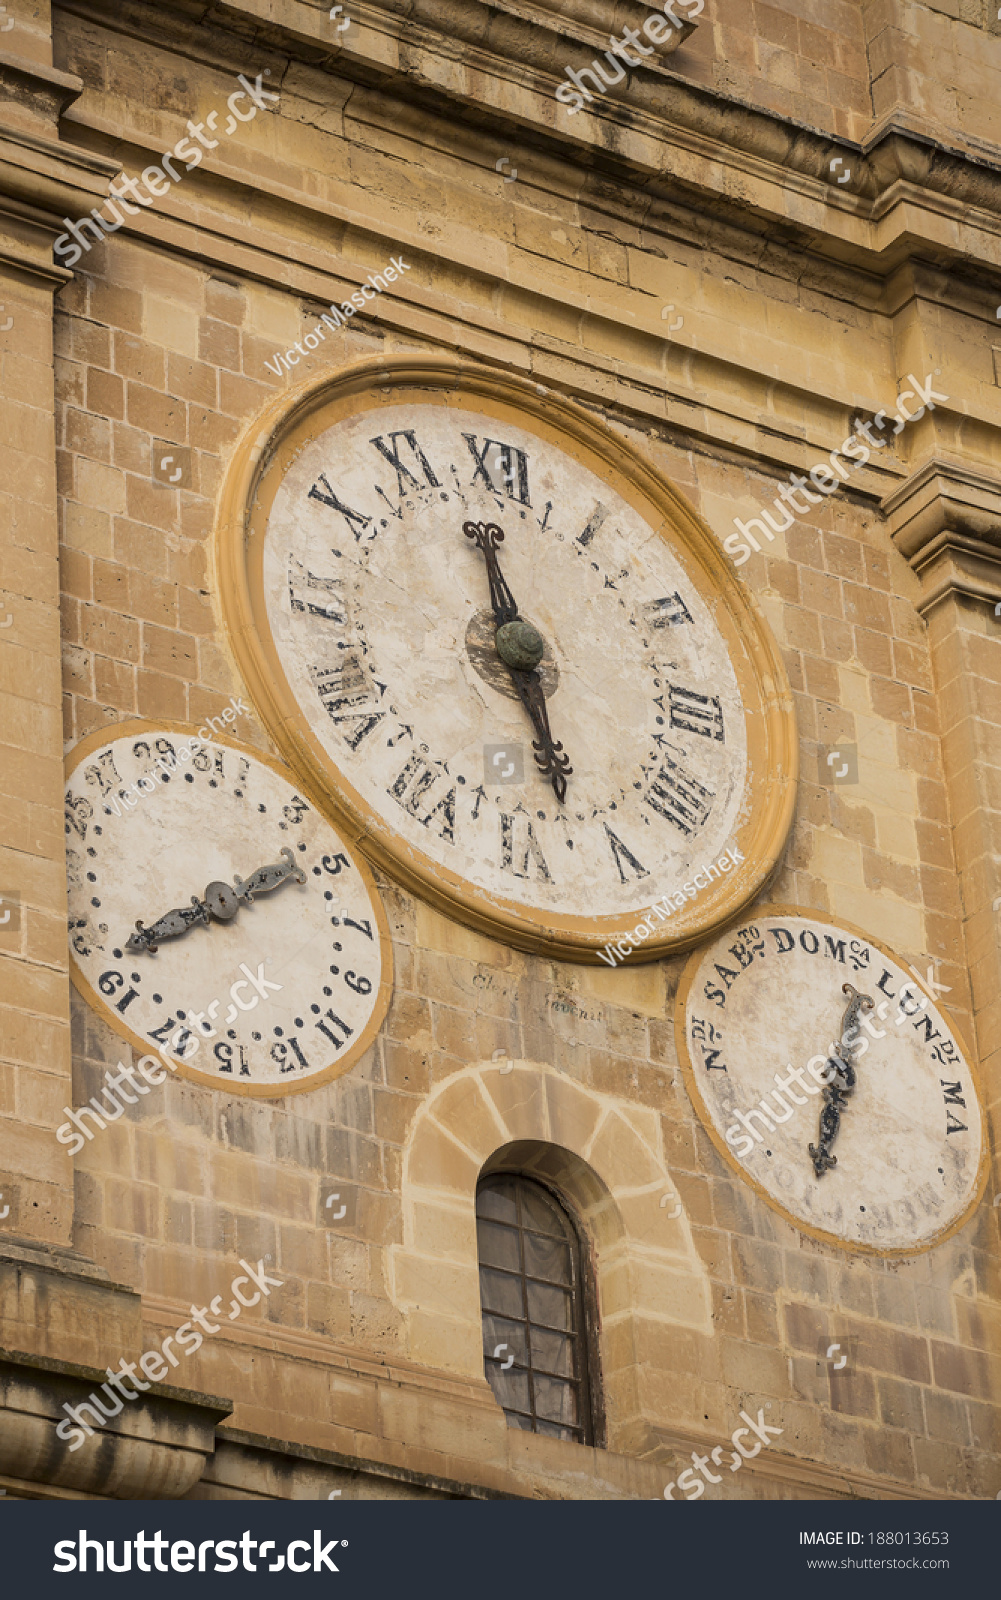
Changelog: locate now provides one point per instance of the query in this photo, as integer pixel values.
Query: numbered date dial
(214, 914)
(550, 780)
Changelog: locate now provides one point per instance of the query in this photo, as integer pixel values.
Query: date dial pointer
(520, 647)
(221, 902)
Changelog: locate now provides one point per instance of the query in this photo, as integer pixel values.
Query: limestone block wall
(370, 1346)
(803, 60)
(35, 1178)
(844, 66)
(168, 1202)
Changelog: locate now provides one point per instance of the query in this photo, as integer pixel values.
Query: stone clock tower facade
(500, 980)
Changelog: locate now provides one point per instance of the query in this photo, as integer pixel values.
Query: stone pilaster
(946, 520)
(41, 181)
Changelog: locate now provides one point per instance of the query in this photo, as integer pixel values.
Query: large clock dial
(214, 914)
(522, 673)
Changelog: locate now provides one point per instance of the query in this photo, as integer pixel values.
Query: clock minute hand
(221, 902)
(520, 647)
(487, 536)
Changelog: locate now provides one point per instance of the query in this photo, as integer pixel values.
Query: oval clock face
(558, 780)
(831, 1081)
(263, 963)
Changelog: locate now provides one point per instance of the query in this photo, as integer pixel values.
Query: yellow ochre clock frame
(286, 426)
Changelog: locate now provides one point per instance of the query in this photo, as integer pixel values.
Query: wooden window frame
(584, 1303)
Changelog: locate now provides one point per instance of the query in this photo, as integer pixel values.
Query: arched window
(537, 1306)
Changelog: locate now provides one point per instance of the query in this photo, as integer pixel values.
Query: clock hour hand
(221, 902)
(520, 647)
(172, 925)
(267, 878)
(549, 756)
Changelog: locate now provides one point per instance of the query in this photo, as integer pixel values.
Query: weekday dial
(215, 915)
(830, 1079)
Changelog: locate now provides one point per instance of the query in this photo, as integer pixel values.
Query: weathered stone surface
(700, 187)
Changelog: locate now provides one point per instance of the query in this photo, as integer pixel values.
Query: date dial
(214, 914)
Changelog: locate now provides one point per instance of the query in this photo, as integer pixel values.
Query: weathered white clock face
(759, 1013)
(379, 609)
(285, 991)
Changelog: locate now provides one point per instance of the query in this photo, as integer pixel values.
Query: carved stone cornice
(953, 564)
(499, 62)
(34, 87)
(247, 1464)
(50, 175)
(946, 521)
(799, 1477)
(23, 1252)
(944, 494)
(41, 179)
(591, 23)
(156, 1448)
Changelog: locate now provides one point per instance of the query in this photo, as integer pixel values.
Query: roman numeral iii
(698, 713)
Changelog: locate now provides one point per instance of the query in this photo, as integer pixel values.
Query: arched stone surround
(605, 1156)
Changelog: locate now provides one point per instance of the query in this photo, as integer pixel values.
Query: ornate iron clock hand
(520, 647)
(841, 1081)
(221, 902)
(487, 536)
(549, 756)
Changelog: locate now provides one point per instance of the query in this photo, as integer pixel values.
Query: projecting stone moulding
(604, 1157)
(155, 1450)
